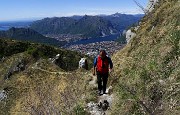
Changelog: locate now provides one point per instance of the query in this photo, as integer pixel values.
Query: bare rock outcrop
(3, 95)
(151, 5)
(16, 67)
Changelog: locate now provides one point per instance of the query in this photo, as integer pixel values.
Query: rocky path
(103, 103)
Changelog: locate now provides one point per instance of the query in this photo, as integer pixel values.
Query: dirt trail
(104, 102)
(60, 73)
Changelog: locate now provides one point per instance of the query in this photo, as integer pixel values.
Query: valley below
(90, 46)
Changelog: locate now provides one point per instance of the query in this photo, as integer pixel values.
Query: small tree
(140, 6)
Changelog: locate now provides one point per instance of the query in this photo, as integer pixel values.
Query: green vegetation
(79, 110)
(91, 26)
(37, 51)
(88, 26)
(10, 47)
(148, 67)
(52, 25)
(24, 34)
(43, 87)
(36, 91)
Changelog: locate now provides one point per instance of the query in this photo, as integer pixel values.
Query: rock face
(17, 67)
(2, 95)
(130, 35)
(83, 63)
(2, 59)
(151, 5)
(53, 60)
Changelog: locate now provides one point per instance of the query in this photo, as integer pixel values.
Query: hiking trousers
(102, 81)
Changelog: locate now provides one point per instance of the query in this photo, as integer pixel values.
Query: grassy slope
(37, 51)
(45, 88)
(148, 68)
(34, 91)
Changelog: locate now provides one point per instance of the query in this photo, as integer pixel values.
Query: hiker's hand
(94, 74)
(110, 70)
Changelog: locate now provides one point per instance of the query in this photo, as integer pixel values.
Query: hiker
(102, 66)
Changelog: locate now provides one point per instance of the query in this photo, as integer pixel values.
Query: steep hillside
(45, 89)
(31, 83)
(25, 34)
(148, 68)
(38, 51)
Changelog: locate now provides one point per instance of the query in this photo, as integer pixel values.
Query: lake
(93, 40)
(4, 28)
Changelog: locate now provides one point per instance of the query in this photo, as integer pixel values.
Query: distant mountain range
(122, 21)
(26, 34)
(118, 20)
(89, 26)
(86, 26)
(52, 25)
(92, 26)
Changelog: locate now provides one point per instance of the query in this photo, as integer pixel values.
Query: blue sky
(29, 9)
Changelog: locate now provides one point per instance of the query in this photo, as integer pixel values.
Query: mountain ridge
(26, 34)
(82, 24)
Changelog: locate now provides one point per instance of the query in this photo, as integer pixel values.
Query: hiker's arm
(94, 70)
(94, 67)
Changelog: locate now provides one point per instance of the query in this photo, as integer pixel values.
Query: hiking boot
(105, 93)
(100, 93)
